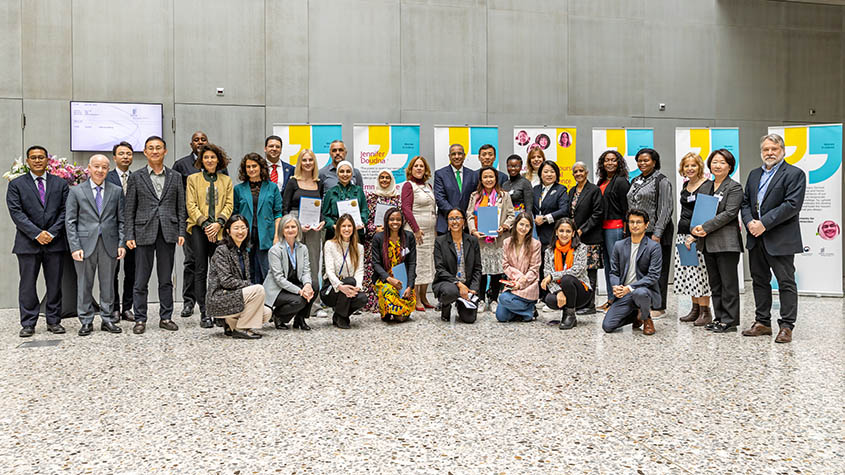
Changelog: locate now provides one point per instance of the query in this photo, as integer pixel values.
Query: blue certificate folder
(689, 257)
(488, 220)
(705, 209)
(402, 276)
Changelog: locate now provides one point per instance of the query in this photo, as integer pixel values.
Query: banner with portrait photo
(317, 137)
(472, 137)
(626, 141)
(702, 141)
(379, 146)
(557, 143)
(817, 149)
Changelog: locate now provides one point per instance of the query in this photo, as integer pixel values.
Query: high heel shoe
(299, 322)
(427, 305)
(420, 309)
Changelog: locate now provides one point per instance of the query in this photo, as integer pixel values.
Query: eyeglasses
(455, 220)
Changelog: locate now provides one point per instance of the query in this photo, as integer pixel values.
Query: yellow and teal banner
(626, 141)
(557, 143)
(472, 137)
(379, 146)
(817, 149)
(317, 137)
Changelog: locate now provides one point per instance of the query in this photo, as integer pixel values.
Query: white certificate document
(352, 208)
(381, 209)
(309, 211)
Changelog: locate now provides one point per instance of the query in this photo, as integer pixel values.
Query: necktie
(123, 177)
(42, 192)
(98, 199)
(274, 175)
(458, 178)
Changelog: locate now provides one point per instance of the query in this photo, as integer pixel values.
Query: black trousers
(124, 304)
(491, 293)
(288, 305)
(576, 295)
(447, 293)
(162, 253)
(762, 266)
(342, 305)
(29, 266)
(593, 275)
(202, 251)
(188, 296)
(724, 285)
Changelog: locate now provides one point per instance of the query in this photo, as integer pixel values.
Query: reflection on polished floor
(425, 397)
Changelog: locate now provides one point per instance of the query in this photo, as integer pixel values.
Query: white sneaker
(482, 306)
(322, 314)
(493, 306)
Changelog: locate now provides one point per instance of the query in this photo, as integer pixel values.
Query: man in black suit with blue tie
(452, 186)
(123, 155)
(36, 204)
(774, 195)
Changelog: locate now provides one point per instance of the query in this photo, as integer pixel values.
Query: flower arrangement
(72, 173)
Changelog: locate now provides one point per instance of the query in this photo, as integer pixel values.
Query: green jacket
(343, 193)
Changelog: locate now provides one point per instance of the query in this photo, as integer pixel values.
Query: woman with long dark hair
(522, 270)
(344, 272)
(613, 183)
(566, 273)
(390, 248)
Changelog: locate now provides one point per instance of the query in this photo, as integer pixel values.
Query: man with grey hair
(328, 174)
(774, 194)
(94, 224)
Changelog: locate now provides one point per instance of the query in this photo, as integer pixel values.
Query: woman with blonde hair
(533, 160)
(692, 280)
(420, 212)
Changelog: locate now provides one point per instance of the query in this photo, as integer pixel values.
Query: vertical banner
(702, 141)
(557, 143)
(316, 137)
(472, 137)
(380, 146)
(625, 141)
(817, 149)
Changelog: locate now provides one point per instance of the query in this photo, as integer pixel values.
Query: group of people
(249, 259)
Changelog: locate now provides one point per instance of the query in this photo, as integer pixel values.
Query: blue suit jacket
(269, 209)
(779, 210)
(31, 217)
(649, 261)
(448, 196)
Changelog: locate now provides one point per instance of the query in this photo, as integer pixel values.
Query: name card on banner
(383, 146)
(557, 143)
(317, 137)
(626, 141)
(472, 137)
(817, 149)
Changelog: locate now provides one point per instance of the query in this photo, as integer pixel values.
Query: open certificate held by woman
(352, 208)
(309, 211)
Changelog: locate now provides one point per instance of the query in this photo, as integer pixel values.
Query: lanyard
(344, 258)
(764, 183)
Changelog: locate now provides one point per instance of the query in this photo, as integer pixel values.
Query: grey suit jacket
(723, 233)
(276, 279)
(146, 213)
(648, 261)
(84, 225)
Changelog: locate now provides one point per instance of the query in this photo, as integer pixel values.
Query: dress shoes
(139, 328)
(86, 329)
(227, 330)
(704, 317)
(637, 323)
(648, 327)
(428, 305)
(278, 323)
(27, 332)
(784, 335)
(586, 311)
(116, 315)
(343, 323)
(206, 323)
(110, 327)
(710, 326)
(719, 327)
(168, 325)
(245, 335)
(187, 311)
(128, 316)
(218, 322)
(692, 315)
(56, 328)
(299, 322)
(568, 321)
(757, 329)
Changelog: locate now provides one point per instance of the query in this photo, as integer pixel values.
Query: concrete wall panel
(10, 50)
(46, 49)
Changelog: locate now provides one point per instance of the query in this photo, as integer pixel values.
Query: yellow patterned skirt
(390, 302)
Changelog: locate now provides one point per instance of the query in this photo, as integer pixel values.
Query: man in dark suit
(774, 194)
(122, 308)
(634, 273)
(36, 204)
(452, 186)
(155, 224)
(94, 223)
(487, 158)
(279, 171)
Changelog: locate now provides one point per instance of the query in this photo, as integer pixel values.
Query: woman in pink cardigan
(522, 270)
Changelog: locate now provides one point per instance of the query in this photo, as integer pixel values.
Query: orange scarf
(562, 250)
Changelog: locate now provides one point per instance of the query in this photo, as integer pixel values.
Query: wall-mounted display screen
(98, 126)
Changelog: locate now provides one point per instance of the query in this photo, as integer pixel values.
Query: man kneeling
(634, 272)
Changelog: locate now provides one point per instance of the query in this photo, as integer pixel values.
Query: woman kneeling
(344, 268)
(522, 269)
(288, 283)
(566, 273)
(392, 247)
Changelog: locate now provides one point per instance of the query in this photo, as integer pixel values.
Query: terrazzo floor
(424, 397)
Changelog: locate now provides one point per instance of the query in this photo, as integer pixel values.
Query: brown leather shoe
(757, 329)
(692, 315)
(784, 335)
(704, 317)
(168, 325)
(637, 322)
(648, 327)
(139, 328)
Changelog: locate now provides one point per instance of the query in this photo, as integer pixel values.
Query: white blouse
(333, 255)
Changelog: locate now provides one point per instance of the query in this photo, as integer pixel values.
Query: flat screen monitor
(98, 126)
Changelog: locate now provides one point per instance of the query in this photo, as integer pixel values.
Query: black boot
(299, 322)
(277, 322)
(445, 312)
(205, 322)
(568, 322)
